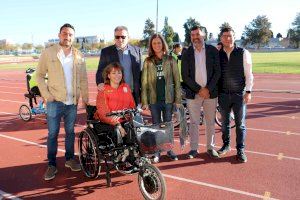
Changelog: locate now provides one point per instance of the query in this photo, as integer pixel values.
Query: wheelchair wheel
(25, 113)
(151, 183)
(89, 155)
(219, 118)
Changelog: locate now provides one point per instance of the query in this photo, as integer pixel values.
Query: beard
(65, 43)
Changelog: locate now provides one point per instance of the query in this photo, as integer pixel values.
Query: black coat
(212, 68)
(110, 54)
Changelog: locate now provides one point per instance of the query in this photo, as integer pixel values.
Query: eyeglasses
(120, 36)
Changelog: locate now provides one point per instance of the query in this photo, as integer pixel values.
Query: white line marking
(271, 105)
(278, 116)
(275, 97)
(254, 152)
(21, 102)
(11, 93)
(4, 195)
(216, 186)
(166, 175)
(272, 131)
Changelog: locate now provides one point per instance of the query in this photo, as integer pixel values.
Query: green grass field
(273, 62)
(276, 62)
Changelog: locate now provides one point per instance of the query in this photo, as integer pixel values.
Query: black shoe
(241, 156)
(224, 150)
(212, 153)
(192, 154)
(172, 155)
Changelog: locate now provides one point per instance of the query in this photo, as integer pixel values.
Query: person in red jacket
(116, 95)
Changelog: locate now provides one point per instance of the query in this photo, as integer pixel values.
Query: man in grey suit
(128, 56)
(200, 72)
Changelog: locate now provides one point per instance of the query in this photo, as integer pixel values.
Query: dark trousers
(234, 102)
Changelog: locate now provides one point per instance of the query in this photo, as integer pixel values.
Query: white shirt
(200, 67)
(247, 61)
(67, 64)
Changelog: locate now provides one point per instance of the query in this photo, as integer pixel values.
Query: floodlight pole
(156, 16)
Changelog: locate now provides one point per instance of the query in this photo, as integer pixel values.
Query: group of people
(206, 74)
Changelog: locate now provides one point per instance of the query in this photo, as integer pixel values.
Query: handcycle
(99, 146)
(33, 108)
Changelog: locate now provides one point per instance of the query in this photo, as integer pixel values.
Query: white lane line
(286, 98)
(166, 175)
(216, 186)
(18, 93)
(272, 131)
(21, 102)
(254, 152)
(4, 195)
(273, 105)
(264, 115)
(277, 91)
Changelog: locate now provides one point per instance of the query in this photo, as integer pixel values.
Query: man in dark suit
(200, 72)
(128, 56)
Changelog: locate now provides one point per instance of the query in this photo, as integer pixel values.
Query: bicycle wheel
(89, 155)
(25, 113)
(219, 118)
(151, 183)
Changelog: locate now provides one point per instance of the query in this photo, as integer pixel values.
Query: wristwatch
(249, 92)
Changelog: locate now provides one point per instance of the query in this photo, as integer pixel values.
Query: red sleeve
(102, 108)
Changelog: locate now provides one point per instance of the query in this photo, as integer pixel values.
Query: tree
(294, 33)
(39, 48)
(148, 32)
(190, 23)
(27, 46)
(258, 32)
(279, 35)
(176, 38)
(168, 33)
(224, 25)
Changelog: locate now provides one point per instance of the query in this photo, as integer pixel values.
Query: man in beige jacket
(67, 80)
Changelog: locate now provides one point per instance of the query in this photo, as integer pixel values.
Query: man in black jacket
(128, 56)
(200, 72)
(235, 87)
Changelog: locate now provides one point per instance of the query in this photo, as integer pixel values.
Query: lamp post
(156, 16)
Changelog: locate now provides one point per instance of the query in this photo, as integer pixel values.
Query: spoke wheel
(25, 113)
(219, 118)
(89, 155)
(151, 183)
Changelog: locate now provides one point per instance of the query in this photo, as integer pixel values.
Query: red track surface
(272, 170)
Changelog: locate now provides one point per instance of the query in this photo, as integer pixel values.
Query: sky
(36, 21)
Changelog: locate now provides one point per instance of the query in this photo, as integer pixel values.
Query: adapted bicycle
(99, 146)
(26, 111)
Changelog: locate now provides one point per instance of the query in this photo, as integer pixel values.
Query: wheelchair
(35, 108)
(101, 147)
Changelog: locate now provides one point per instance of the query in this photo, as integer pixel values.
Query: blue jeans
(161, 108)
(55, 111)
(234, 102)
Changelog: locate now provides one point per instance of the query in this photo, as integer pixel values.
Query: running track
(272, 170)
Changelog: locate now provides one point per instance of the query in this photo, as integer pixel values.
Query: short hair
(177, 45)
(195, 28)
(120, 28)
(226, 29)
(165, 48)
(67, 26)
(109, 68)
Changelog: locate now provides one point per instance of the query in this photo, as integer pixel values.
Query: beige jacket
(56, 86)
